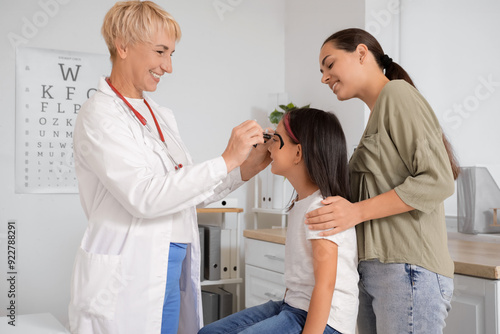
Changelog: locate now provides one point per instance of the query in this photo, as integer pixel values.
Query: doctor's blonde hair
(136, 21)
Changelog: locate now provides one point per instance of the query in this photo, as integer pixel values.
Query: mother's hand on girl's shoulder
(336, 216)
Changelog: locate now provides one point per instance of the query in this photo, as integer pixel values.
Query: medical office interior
(236, 61)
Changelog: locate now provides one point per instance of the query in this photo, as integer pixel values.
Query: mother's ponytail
(394, 71)
(349, 39)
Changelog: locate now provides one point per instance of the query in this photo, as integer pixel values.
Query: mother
(401, 172)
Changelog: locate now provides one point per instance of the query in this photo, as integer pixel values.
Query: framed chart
(51, 86)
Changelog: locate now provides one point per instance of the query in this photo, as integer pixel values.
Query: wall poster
(51, 86)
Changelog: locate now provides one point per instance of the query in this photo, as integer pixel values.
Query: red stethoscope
(145, 122)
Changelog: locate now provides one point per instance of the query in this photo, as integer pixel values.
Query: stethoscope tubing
(137, 115)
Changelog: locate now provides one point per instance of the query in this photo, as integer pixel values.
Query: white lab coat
(131, 194)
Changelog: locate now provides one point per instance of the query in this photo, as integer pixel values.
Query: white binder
(234, 254)
(270, 177)
(225, 254)
(263, 188)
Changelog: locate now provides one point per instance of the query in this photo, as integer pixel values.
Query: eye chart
(51, 86)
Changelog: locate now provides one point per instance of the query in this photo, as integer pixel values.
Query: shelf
(283, 213)
(222, 281)
(219, 210)
(233, 246)
(257, 209)
(271, 211)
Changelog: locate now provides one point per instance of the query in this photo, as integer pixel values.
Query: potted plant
(276, 115)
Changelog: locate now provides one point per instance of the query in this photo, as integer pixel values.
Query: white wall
(448, 49)
(225, 67)
(458, 72)
(308, 24)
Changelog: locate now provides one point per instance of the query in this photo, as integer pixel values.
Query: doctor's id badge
(51, 86)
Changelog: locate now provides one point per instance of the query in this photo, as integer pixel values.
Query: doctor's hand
(243, 138)
(336, 216)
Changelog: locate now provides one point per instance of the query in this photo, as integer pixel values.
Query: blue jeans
(402, 298)
(172, 301)
(273, 317)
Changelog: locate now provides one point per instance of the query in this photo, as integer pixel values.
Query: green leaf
(283, 107)
(275, 116)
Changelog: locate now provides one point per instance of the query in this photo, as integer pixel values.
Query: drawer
(263, 254)
(262, 285)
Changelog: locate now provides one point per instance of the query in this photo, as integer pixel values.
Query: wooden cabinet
(476, 299)
(475, 306)
(264, 272)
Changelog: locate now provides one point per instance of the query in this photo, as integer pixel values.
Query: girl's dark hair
(349, 39)
(323, 148)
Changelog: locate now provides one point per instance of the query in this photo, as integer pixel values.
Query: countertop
(276, 235)
(479, 259)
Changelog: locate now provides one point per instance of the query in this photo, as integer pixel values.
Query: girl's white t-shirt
(299, 273)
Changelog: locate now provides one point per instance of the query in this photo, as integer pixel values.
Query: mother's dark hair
(349, 39)
(323, 149)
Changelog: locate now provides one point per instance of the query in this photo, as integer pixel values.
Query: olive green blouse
(402, 149)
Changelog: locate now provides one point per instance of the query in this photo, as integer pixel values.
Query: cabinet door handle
(274, 257)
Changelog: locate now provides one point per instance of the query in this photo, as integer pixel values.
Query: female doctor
(137, 269)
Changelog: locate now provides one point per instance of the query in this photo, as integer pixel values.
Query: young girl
(321, 275)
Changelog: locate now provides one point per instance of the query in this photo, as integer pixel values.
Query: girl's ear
(298, 155)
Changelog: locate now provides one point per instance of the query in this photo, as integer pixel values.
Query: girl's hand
(242, 139)
(336, 216)
(258, 159)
